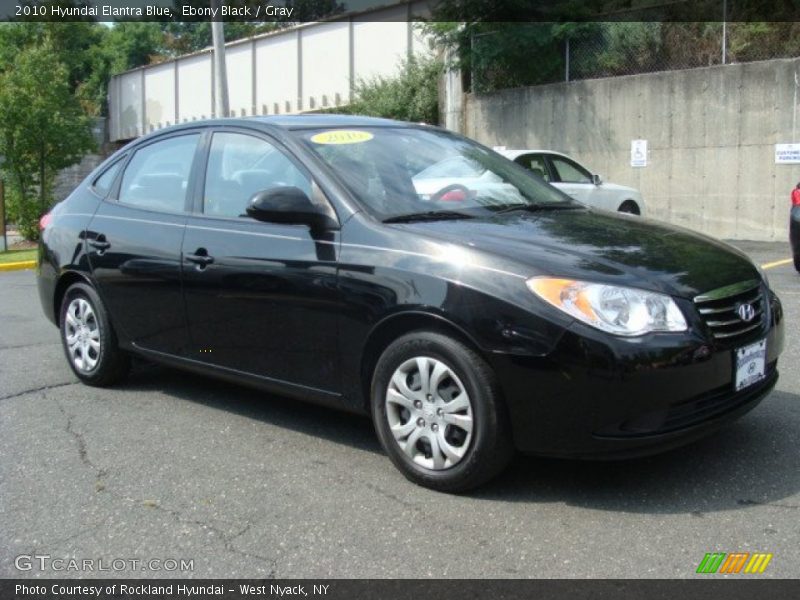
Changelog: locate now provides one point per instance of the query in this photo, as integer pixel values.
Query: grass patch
(18, 255)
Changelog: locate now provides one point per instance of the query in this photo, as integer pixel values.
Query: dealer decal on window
(341, 136)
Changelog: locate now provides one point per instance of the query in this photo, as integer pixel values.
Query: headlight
(617, 310)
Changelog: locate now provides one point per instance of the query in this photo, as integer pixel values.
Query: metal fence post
(724, 31)
(474, 82)
(566, 61)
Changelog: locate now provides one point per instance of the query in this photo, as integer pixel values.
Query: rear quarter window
(103, 182)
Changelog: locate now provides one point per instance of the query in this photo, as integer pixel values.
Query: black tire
(112, 364)
(490, 448)
(630, 207)
(797, 263)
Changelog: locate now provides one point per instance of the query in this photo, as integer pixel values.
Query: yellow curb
(18, 266)
(777, 263)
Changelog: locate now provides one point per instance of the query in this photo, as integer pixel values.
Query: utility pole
(221, 106)
(4, 247)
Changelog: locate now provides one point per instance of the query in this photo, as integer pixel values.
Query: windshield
(400, 171)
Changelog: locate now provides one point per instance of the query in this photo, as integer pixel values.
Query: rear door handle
(100, 243)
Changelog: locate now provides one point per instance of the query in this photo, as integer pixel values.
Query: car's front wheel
(89, 340)
(438, 413)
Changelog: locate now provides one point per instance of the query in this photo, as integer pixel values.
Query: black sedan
(356, 263)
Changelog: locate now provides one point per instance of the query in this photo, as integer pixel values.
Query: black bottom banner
(388, 589)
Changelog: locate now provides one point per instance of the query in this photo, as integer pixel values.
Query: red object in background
(454, 196)
(457, 195)
(44, 221)
(796, 197)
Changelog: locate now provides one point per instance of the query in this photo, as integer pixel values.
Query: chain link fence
(525, 54)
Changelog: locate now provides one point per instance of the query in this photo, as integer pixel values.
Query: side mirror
(290, 205)
(596, 179)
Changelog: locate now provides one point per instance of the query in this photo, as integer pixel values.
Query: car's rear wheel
(630, 207)
(797, 263)
(438, 413)
(89, 340)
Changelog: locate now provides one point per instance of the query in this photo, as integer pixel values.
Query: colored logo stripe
(720, 562)
(734, 562)
(758, 563)
(711, 562)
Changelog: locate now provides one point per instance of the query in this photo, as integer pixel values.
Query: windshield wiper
(538, 206)
(430, 215)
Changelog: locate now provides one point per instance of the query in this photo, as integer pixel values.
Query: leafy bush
(412, 95)
(21, 211)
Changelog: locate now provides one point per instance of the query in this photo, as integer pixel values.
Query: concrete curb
(18, 266)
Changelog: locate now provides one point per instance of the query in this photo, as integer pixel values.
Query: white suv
(576, 180)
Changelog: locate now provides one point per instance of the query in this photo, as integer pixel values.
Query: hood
(615, 187)
(601, 246)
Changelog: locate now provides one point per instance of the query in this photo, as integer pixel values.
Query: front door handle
(200, 258)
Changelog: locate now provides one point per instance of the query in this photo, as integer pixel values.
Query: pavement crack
(100, 473)
(79, 534)
(80, 441)
(227, 539)
(393, 497)
(42, 388)
(39, 345)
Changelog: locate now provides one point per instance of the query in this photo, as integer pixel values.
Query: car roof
(514, 153)
(311, 120)
(286, 123)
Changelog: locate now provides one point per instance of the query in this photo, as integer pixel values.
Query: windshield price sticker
(342, 136)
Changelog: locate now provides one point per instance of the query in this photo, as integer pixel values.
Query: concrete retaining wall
(711, 138)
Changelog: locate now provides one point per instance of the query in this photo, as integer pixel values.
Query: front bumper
(597, 396)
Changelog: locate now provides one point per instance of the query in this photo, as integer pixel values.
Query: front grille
(720, 309)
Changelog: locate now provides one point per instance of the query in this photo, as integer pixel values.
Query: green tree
(125, 46)
(497, 55)
(42, 130)
(80, 45)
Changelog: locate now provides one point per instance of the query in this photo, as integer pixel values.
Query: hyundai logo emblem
(746, 312)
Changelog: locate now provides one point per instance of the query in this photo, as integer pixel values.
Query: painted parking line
(777, 263)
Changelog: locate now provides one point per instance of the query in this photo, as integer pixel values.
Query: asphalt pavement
(172, 466)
